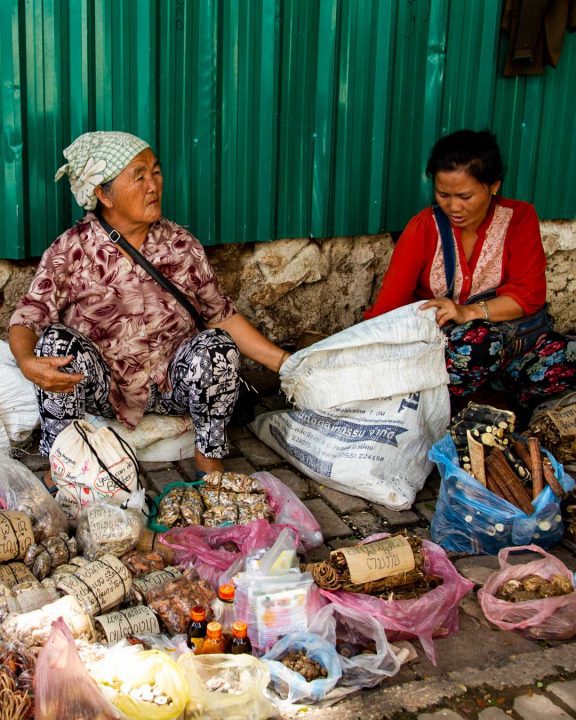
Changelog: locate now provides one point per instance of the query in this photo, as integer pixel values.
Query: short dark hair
(476, 153)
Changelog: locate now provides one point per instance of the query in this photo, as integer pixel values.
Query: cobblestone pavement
(482, 673)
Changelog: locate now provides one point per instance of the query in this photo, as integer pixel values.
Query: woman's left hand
(449, 311)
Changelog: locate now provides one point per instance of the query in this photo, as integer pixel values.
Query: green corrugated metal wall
(272, 118)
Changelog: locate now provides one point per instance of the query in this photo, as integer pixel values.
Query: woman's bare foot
(206, 464)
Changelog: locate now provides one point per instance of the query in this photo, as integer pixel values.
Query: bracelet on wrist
(485, 310)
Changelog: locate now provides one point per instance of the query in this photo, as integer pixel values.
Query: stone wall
(292, 287)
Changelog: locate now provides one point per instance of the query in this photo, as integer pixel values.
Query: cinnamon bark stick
(494, 486)
(536, 466)
(506, 478)
(521, 449)
(550, 478)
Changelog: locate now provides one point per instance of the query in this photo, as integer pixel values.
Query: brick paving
(482, 673)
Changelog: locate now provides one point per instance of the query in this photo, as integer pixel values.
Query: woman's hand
(448, 311)
(46, 373)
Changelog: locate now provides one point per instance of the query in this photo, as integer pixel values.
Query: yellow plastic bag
(129, 676)
(226, 687)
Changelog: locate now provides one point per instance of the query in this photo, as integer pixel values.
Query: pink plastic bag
(63, 688)
(201, 547)
(435, 614)
(290, 510)
(551, 618)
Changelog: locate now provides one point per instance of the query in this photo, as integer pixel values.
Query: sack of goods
(371, 401)
(90, 464)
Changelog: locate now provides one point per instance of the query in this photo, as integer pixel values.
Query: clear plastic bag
(346, 627)
(290, 510)
(63, 687)
(552, 618)
(273, 606)
(21, 490)
(105, 528)
(226, 687)
(434, 614)
(134, 679)
(290, 685)
(470, 518)
(203, 548)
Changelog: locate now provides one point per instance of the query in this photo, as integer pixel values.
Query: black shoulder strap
(448, 249)
(115, 237)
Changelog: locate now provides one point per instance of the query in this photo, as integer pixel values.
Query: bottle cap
(240, 629)
(198, 613)
(214, 630)
(226, 592)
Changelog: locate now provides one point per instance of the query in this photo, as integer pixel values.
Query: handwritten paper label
(13, 573)
(379, 559)
(139, 620)
(155, 579)
(564, 420)
(108, 523)
(476, 451)
(16, 534)
(99, 585)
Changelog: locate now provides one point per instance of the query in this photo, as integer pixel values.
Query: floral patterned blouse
(84, 282)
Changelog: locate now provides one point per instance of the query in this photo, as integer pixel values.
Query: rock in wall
(288, 288)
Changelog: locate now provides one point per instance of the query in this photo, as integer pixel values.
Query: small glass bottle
(224, 609)
(214, 642)
(240, 642)
(196, 630)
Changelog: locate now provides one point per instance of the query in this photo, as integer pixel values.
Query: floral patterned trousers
(203, 376)
(476, 354)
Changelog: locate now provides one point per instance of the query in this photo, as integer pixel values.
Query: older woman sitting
(95, 333)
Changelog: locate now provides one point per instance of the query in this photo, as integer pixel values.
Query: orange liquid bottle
(214, 642)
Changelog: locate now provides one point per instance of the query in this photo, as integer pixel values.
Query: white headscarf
(95, 158)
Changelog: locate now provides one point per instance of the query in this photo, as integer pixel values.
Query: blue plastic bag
(470, 518)
(290, 685)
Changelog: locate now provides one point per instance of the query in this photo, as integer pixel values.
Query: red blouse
(508, 255)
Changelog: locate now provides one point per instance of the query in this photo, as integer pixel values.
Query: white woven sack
(370, 409)
(398, 353)
(18, 405)
(156, 438)
(78, 474)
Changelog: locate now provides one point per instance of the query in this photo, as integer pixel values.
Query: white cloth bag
(76, 459)
(18, 406)
(372, 400)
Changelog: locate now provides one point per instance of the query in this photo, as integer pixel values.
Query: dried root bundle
(511, 468)
(335, 575)
(298, 661)
(534, 587)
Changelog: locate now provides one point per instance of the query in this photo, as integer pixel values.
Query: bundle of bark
(511, 467)
(334, 574)
(556, 430)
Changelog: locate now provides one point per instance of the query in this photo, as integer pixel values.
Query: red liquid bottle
(240, 642)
